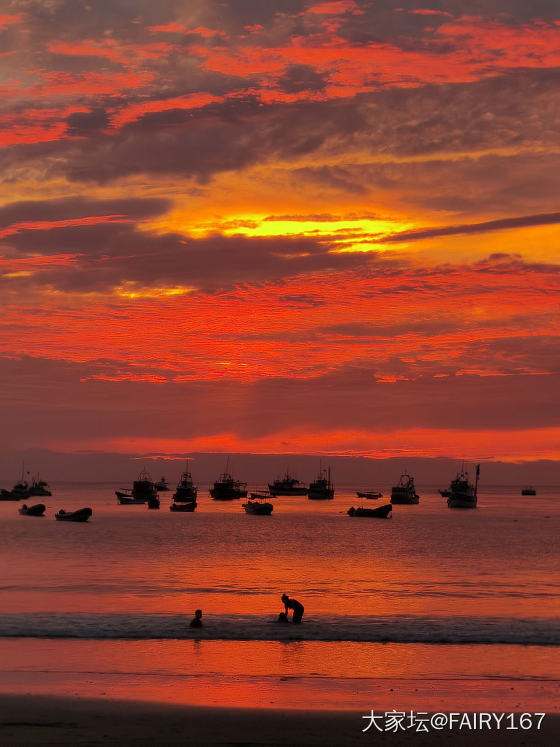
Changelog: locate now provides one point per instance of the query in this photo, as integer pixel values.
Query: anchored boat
(143, 491)
(37, 510)
(322, 488)
(82, 514)
(463, 494)
(382, 512)
(186, 490)
(288, 485)
(404, 491)
(261, 508)
(183, 507)
(161, 485)
(228, 489)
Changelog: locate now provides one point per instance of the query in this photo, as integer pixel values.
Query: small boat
(371, 495)
(404, 491)
(82, 514)
(161, 485)
(260, 496)
(381, 512)
(183, 507)
(39, 487)
(228, 489)
(260, 508)
(288, 485)
(153, 502)
(186, 490)
(37, 510)
(322, 488)
(19, 491)
(445, 493)
(143, 490)
(528, 491)
(463, 492)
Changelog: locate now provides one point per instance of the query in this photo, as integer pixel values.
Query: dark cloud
(301, 78)
(35, 393)
(84, 124)
(115, 253)
(522, 221)
(70, 208)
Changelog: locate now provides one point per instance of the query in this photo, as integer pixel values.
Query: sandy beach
(52, 720)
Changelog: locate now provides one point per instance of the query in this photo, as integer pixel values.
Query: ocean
(444, 603)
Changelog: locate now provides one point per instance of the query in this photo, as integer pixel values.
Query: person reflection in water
(293, 604)
(196, 622)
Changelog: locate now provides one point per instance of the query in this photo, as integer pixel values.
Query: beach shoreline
(42, 719)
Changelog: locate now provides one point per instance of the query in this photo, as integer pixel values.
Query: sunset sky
(280, 226)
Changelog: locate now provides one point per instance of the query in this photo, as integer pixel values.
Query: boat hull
(80, 515)
(183, 507)
(126, 499)
(382, 512)
(326, 495)
(461, 501)
(37, 510)
(185, 496)
(220, 495)
(258, 509)
(407, 500)
(7, 495)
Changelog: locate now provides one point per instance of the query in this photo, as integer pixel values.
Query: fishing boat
(404, 491)
(183, 507)
(463, 492)
(445, 493)
(322, 488)
(19, 491)
(260, 496)
(260, 508)
(528, 491)
(153, 502)
(37, 510)
(288, 485)
(371, 495)
(143, 490)
(161, 485)
(186, 490)
(39, 487)
(228, 489)
(82, 514)
(381, 512)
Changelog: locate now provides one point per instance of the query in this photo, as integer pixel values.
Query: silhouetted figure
(196, 622)
(283, 618)
(294, 605)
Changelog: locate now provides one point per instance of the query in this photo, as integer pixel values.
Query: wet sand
(54, 720)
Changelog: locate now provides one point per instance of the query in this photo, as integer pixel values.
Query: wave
(385, 629)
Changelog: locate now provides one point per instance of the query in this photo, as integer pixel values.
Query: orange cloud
(335, 7)
(7, 20)
(136, 111)
(377, 443)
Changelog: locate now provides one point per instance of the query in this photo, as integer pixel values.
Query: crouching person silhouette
(295, 606)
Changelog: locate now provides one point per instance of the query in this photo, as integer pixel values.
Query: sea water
(435, 599)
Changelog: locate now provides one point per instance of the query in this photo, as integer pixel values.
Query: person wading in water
(293, 604)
